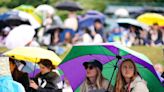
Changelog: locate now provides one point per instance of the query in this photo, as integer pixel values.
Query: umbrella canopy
(33, 54)
(2, 24)
(17, 18)
(25, 8)
(13, 18)
(19, 36)
(121, 12)
(45, 9)
(151, 18)
(127, 22)
(30, 10)
(33, 21)
(88, 19)
(107, 54)
(68, 5)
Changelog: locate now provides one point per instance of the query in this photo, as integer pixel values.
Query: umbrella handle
(115, 66)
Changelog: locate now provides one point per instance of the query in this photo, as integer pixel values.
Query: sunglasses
(90, 67)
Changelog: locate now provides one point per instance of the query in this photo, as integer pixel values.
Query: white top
(138, 85)
(97, 39)
(86, 38)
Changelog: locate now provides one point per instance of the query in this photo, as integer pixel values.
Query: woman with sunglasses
(94, 81)
(128, 79)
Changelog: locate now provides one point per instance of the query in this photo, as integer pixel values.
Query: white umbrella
(19, 36)
(45, 9)
(128, 21)
(121, 12)
(34, 23)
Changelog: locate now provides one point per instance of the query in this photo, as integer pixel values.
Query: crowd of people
(55, 33)
(58, 36)
(128, 78)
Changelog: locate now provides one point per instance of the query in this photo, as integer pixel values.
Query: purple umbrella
(109, 55)
(33, 73)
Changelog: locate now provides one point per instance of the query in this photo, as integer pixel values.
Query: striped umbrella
(110, 55)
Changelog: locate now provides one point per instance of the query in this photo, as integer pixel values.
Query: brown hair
(12, 61)
(120, 81)
(47, 63)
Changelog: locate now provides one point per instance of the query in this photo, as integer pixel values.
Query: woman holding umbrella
(94, 81)
(128, 78)
(46, 80)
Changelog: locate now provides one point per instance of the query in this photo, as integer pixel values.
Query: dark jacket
(158, 40)
(47, 82)
(22, 78)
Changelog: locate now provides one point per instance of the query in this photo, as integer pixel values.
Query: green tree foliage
(15, 3)
(87, 4)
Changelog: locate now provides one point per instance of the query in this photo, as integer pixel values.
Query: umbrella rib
(112, 64)
(106, 54)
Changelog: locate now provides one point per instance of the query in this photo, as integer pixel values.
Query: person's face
(98, 25)
(127, 69)
(155, 27)
(43, 69)
(91, 71)
(132, 29)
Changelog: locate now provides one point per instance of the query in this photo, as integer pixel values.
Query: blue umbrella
(12, 18)
(88, 19)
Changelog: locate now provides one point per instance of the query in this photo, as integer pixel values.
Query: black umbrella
(69, 6)
(127, 22)
(2, 24)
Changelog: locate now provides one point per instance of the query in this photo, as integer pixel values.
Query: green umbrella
(25, 8)
(31, 10)
(108, 55)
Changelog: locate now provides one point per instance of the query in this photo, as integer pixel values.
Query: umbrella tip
(118, 57)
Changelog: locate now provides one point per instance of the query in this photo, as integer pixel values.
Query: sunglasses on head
(89, 67)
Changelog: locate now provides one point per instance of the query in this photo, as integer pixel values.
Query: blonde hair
(120, 81)
(99, 83)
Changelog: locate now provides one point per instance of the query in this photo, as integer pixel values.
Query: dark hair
(97, 20)
(155, 24)
(12, 61)
(96, 63)
(87, 30)
(47, 63)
